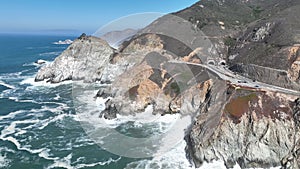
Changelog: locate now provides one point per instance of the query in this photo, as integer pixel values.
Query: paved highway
(227, 75)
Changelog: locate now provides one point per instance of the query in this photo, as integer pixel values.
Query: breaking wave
(64, 42)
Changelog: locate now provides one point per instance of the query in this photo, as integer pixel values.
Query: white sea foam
(19, 147)
(45, 154)
(6, 150)
(64, 42)
(16, 99)
(14, 77)
(41, 47)
(50, 53)
(83, 141)
(4, 162)
(175, 159)
(7, 85)
(57, 97)
(11, 75)
(8, 130)
(97, 105)
(66, 163)
(58, 110)
(38, 63)
(44, 123)
(7, 134)
(11, 115)
(11, 130)
(171, 127)
(31, 64)
(7, 94)
(78, 166)
(62, 163)
(13, 98)
(31, 81)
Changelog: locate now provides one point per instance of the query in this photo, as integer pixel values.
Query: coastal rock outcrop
(259, 40)
(149, 83)
(250, 127)
(255, 129)
(84, 60)
(160, 66)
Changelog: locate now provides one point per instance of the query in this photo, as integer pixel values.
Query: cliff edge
(233, 65)
(84, 60)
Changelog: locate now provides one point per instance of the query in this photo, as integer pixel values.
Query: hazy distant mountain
(115, 38)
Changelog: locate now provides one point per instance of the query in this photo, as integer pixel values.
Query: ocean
(39, 124)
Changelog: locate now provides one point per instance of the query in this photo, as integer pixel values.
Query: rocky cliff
(255, 129)
(178, 64)
(259, 40)
(84, 60)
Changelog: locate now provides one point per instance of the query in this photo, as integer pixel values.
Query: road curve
(239, 80)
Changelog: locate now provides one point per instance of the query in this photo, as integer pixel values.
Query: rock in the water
(84, 60)
(40, 62)
(110, 111)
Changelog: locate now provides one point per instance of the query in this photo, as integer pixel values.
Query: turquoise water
(37, 123)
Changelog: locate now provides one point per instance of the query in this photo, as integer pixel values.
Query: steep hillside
(250, 35)
(180, 64)
(83, 60)
(256, 34)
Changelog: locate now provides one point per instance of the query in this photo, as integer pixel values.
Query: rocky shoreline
(77, 62)
(250, 126)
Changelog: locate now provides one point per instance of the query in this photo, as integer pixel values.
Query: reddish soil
(238, 106)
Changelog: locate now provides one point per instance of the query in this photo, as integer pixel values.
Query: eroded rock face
(294, 57)
(169, 87)
(246, 126)
(84, 60)
(129, 54)
(259, 39)
(256, 129)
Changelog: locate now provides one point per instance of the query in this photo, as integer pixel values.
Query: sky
(75, 16)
